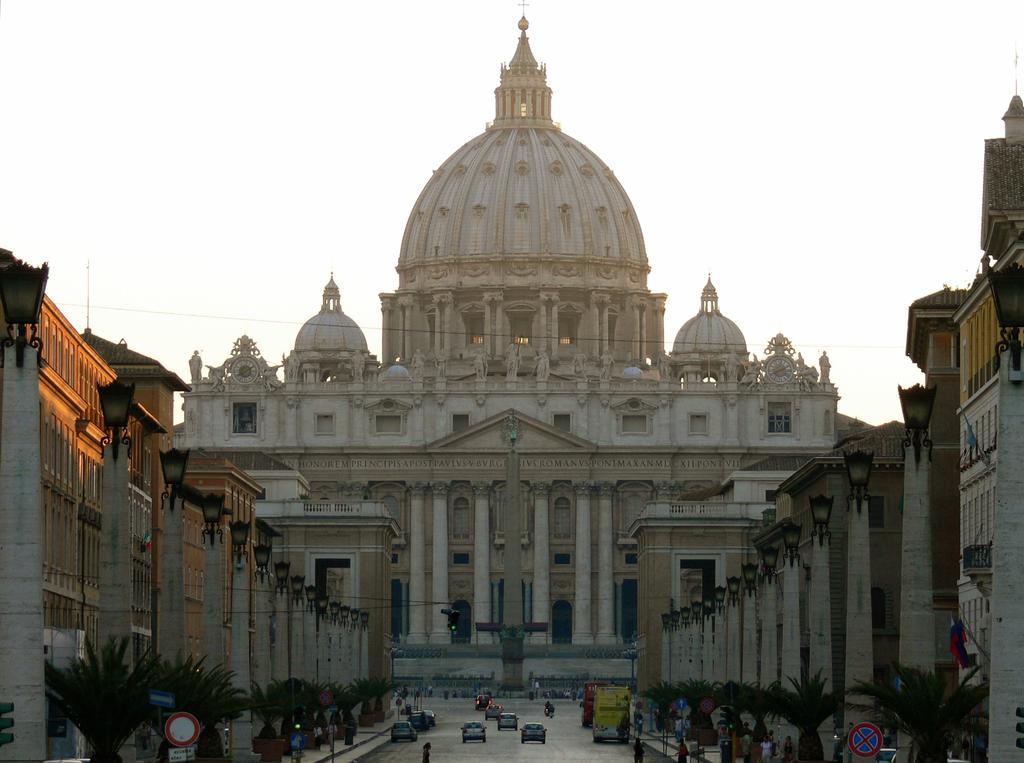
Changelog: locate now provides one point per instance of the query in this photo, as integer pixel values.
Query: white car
(888, 755)
(508, 721)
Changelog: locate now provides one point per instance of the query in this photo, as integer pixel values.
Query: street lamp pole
(171, 640)
(213, 584)
(241, 727)
(749, 666)
(792, 570)
(769, 617)
(820, 610)
(21, 527)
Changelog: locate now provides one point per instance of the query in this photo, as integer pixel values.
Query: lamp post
(686, 658)
(241, 727)
(263, 605)
(708, 634)
(296, 637)
(748, 668)
(820, 599)
(21, 521)
(322, 623)
(364, 643)
(214, 564)
(791, 572)
(280, 667)
(1007, 600)
(733, 644)
(172, 636)
(309, 628)
(859, 646)
(769, 615)
(697, 617)
(917, 610)
(718, 628)
(666, 645)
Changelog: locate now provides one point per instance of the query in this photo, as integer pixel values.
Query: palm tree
(921, 706)
(104, 696)
(270, 705)
(694, 691)
(755, 700)
(661, 695)
(806, 707)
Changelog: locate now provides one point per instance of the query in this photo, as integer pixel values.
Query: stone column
(405, 304)
(263, 599)
(792, 570)
(554, 326)
(241, 727)
(482, 554)
(541, 557)
(769, 632)
(213, 600)
(543, 338)
(296, 637)
(749, 666)
(488, 347)
(859, 646)
(1007, 602)
(115, 616)
(820, 613)
(21, 558)
(172, 637)
(309, 644)
(917, 612)
(605, 571)
(707, 651)
(666, 656)
(323, 640)
(733, 664)
(279, 665)
(439, 626)
(582, 632)
(417, 568)
(387, 330)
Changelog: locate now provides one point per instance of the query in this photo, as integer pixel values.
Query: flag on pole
(147, 542)
(958, 642)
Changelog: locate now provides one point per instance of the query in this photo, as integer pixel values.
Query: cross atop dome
(709, 298)
(332, 297)
(523, 99)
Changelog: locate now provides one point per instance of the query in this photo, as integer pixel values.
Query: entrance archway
(561, 622)
(462, 633)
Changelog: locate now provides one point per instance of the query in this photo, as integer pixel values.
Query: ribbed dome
(709, 331)
(330, 330)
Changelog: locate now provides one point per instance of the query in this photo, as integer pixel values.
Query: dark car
(431, 719)
(474, 730)
(482, 701)
(403, 730)
(419, 720)
(493, 712)
(533, 732)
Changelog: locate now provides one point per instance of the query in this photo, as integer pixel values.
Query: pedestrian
(426, 753)
(787, 750)
(745, 740)
(638, 751)
(680, 728)
(684, 753)
(766, 748)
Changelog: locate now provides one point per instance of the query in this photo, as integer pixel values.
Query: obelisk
(512, 627)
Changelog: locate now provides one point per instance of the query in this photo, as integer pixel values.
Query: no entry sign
(181, 729)
(865, 740)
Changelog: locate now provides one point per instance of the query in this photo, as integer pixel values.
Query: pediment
(534, 435)
(633, 405)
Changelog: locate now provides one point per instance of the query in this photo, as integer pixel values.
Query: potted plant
(269, 707)
(364, 689)
(701, 727)
(806, 707)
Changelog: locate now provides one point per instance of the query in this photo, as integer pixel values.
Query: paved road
(567, 740)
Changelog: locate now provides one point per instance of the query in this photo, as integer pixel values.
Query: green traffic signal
(6, 723)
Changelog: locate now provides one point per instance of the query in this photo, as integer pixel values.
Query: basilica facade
(522, 289)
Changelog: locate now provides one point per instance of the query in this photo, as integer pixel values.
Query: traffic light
(6, 723)
(453, 618)
(1020, 726)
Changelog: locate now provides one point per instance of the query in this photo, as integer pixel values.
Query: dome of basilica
(330, 330)
(709, 332)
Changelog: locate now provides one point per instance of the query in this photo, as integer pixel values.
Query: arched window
(562, 524)
(461, 518)
(394, 508)
(877, 608)
(632, 505)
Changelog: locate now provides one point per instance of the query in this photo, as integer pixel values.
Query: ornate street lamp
(684, 615)
(322, 602)
(733, 584)
(769, 559)
(364, 619)
(116, 403)
(917, 403)
(298, 582)
(709, 605)
(749, 572)
(213, 509)
(791, 540)
(21, 297)
(666, 620)
(334, 607)
(343, 615)
(1008, 295)
(173, 462)
(354, 614)
(858, 471)
(240, 541)
(696, 611)
(261, 556)
(821, 512)
(675, 619)
(281, 570)
(311, 598)
(720, 598)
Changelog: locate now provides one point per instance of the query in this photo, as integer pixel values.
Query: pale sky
(215, 160)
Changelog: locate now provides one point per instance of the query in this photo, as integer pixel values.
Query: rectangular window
(876, 512)
(474, 323)
(631, 558)
(769, 496)
(566, 340)
(387, 424)
(779, 418)
(563, 558)
(243, 418)
(394, 558)
(460, 422)
(634, 423)
(562, 421)
(698, 423)
(324, 423)
(460, 557)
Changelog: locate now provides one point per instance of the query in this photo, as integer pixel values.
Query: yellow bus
(611, 713)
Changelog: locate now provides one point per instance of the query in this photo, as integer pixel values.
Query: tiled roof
(118, 355)
(788, 463)
(885, 441)
(944, 297)
(1004, 175)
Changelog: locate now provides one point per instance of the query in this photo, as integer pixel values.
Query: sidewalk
(367, 739)
(655, 743)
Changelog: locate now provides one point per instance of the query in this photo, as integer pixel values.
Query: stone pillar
(543, 337)
(322, 630)
(749, 666)
(1007, 601)
(405, 304)
(297, 638)
(859, 646)
(241, 727)
(387, 330)
(263, 599)
(116, 542)
(488, 348)
(439, 626)
(279, 664)
(554, 326)
(637, 348)
(582, 628)
(769, 632)
(482, 554)
(213, 600)
(666, 671)
(917, 611)
(417, 569)
(707, 642)
(820, 614)
(541, 557)
(733, 650)
(172, 637)
(791, 572)
(21, 558)
(605, 572)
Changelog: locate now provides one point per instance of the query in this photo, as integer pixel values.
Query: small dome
(632, 372)
(710, 332)
(330, 330)
(396, 373)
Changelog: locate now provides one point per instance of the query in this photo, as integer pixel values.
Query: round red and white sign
(707, 706)
(181, 729)
(865, 740)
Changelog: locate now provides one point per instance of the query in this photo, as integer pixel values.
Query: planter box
(707, 737)
(270, 750)
(378, 716)
(366, 719)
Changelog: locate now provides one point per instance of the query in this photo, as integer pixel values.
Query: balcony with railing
(977, 565)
